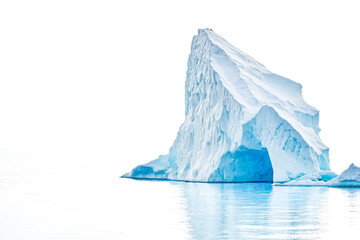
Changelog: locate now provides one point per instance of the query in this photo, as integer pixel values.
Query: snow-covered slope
(243, 123)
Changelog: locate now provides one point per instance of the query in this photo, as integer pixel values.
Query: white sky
(107, 77)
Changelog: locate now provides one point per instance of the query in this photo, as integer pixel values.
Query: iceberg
(243, 123)
(349, 178)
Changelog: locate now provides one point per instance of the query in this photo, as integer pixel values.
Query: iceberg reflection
(264, 211)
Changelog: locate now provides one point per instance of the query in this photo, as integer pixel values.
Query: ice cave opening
(244, 165)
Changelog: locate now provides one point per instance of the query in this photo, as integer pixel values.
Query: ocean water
(63, 197)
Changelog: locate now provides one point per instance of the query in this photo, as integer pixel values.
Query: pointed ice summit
(243, 123)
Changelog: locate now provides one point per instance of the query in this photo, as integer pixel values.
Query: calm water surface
(62, 198)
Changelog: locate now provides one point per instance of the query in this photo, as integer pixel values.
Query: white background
(106, 78)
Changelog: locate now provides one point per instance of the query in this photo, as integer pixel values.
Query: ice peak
(242, 123)
(253, 86)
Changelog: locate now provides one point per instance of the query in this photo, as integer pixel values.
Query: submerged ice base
(242, 123)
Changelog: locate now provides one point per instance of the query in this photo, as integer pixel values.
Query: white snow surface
(243, 123)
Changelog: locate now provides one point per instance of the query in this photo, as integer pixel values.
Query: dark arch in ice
(243, 165)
